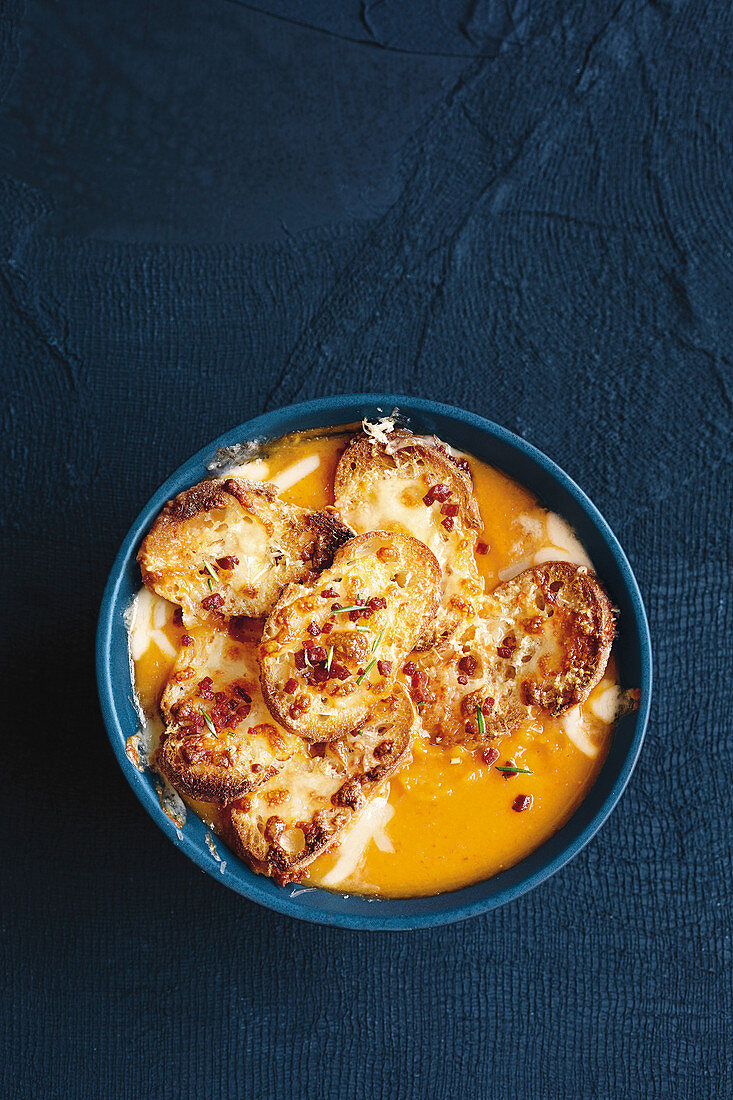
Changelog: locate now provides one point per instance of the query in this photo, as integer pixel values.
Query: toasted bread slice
(281, 828)
(330, 649)
(237, 746)
(413, 485)
(540, 640)
(228, 547)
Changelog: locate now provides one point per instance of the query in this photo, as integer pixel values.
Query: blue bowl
(556, 491)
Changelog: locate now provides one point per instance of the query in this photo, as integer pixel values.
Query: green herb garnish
(378, 640)
(367, 670)
(209, 723)
(211, 587)
(362, 629)
(352, 607)
(480, 720)
(515, 771)
(211, 571)
(329, 659)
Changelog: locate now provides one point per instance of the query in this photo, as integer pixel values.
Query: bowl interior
(556, 491)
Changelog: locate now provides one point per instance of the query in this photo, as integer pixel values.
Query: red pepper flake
(213, 602)
(489, 755)
(468, 664)
(340, 672)
(205, 688)
(186, 640)
(299, 659)
(228, 562)
(313, 628)
(482, 548)
(449, 509)
(522, 802)
(178, 616)
(329, 594)
(377, 603)
(447, 523)
(384, 668)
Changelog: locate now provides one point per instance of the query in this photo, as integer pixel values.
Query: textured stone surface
(209, 211)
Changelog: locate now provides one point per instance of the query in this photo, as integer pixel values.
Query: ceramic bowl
(556, 491)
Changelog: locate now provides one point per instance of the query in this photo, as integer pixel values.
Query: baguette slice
(248, 747)
(331, 649)
(228, 547)
(540, 640)
(390, 486)
(283, 826)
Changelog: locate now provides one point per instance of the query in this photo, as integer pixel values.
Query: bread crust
(226, 547)
(280, 836)
(391, 485)
(330, 649)
(218, 676)
(541, 640)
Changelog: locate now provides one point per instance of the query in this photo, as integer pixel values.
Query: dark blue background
(210, 209)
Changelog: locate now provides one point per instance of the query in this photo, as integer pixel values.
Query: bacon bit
(186, 640)
(449, 509)
(228, 562)
(468, 664)
(509, 775)
(384, 668)
(447, 523)
(482, 548)
(291, 686)
(326, 628)
(329, 594)
(313, 628)
(437, 492)
(507, 647)
(471, 728)
(410, 668)
(522, 802)
(321, 675)
(316, 653)
(340, 672)
(178, 616)
(205, 688)
(213, 602)
(488, 703)
(488, 755)
(354, 616)
(299, 659)
(377, 603)
(336, 607)
(419, 687)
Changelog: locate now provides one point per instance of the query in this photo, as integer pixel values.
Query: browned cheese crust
(541, 640)
(331, 649)
(220, 741)
(412, 484)
(302, 812)
(227, 547)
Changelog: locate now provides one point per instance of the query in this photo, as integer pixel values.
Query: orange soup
(446, 819)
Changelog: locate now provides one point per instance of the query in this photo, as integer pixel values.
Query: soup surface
(445, 820)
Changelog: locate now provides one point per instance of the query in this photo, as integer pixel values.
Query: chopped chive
(367, 670)
(211, 587)
(209, 723)
(211, 571)
(516, 771)
(480, 720)
(352, 607)
(378, 640)
(363, 629)
(329, 659)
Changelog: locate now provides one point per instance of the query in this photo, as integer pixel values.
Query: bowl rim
(241, 879)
